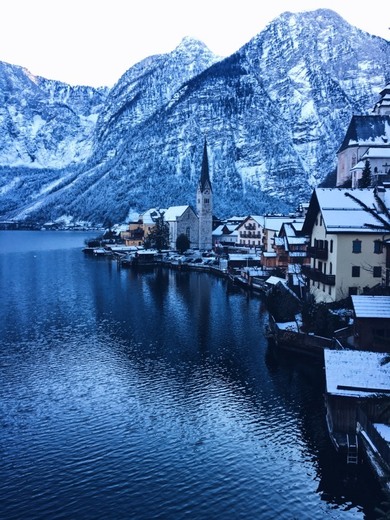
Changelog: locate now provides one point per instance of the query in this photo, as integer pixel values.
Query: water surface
(154, 396)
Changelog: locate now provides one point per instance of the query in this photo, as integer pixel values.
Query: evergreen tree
(182, 243)
(365, 181)
(158, 237)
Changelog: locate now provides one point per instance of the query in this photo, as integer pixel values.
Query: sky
(94, 42)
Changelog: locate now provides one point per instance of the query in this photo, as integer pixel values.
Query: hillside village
(325, 271)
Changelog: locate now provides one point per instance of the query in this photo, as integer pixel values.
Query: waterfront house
(347, 256)
(367, 137)
(371, 323)
(134, 234)
(357, 404)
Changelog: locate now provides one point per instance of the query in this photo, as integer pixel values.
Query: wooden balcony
(316, 252)
(317, 276)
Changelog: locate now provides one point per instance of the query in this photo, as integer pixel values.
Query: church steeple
(204, 204)
(204, 182)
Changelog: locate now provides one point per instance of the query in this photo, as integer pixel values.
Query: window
(330, 268)
(378, 247)
(377, 272)
(357, 246)
(331, 246)
(355, 271)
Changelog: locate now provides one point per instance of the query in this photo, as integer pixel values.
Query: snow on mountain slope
(274, 114)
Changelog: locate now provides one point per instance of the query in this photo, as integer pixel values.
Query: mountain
(274, 114)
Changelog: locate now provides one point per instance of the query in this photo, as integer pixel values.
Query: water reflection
(156, 395)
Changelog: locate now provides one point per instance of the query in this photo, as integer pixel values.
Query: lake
(154, 395)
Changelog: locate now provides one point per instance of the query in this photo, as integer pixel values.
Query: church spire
(204, 204)
(205, 175)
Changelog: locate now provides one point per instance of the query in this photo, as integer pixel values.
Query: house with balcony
(347, 256)
(250, 232)
(290, 245)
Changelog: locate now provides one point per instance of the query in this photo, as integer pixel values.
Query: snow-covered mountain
(274, 114)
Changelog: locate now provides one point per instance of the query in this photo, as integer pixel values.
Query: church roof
(205, 174)
(373, 130)
(174, 212)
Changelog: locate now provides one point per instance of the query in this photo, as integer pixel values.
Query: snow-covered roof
(371, 306)
(356, 373)
(238, 256)
(150, 214)
(382, 152)
(230, 228)
(174, 212)
(294, 241)
(372, 130)
(273, 280)
(342, 214)
(294, 268)
(275, 223)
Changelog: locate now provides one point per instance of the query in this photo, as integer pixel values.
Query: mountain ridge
(273, 114)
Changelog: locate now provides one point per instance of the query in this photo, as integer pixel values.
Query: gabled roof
(340, 213)
(175, 212)
(148, 218)
(225, 229)
(371, 306)
(274, 223)
(370, 131)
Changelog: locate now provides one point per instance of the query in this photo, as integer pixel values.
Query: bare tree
(379, 211)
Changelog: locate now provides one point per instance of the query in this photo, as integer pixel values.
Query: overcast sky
(93, 42)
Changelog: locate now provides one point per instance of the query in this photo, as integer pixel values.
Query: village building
(250, 232)
(371, 323)
(134, 234)
(367, 138)
(357, 403)
(290, 245)
(347, 256)
(226, 234)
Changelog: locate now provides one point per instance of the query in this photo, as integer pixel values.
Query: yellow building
(347, 255)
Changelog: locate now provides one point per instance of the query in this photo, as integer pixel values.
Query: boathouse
(357, 403)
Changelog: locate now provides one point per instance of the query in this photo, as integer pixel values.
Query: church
(367, 140)
(196, 225)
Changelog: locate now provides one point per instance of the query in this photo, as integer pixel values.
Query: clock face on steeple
(206, 192)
